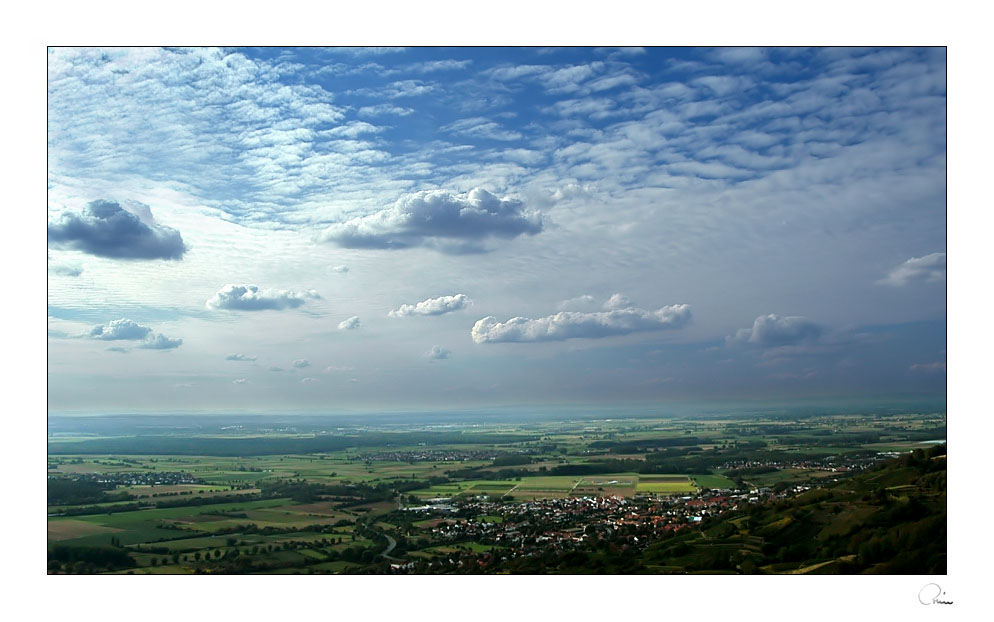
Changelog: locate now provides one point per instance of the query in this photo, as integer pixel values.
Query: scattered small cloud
(251, 298)
(308, 380)
(275, 368)
(927, 269)
(128, 330)
(160, 342)
(804, 374)
(479, 127)
(350, 324)
(120, 329)
(105, 229)
(433, 306)
(239, 381)
(937, 366)
(578, 303)
(340, 269)
(384, 109)
(574, 324)
(301, 363)
(438, 353)
(774, 331)
(617, 301)
(239, 357)
(448, 222)
(333, 369)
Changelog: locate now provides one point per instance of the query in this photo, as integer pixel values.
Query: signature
(929, 595)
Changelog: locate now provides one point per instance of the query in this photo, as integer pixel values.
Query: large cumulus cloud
(773, 331)
(449, 222)
(106, 229)
(433, 306)
(251, 298)
(575, 324)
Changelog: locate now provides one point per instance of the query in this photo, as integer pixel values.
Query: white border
(451, 22)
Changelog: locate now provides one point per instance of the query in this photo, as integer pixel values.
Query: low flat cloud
(927, 269)
(350, 324)
(575, 325)
(160, 342)
(773, 330)
(239, 357)
(64, 269)
(438, 353)
(106, 229)
(439, 219)
(936, 367)
(251, 298)
(124, 329)
(433, 306)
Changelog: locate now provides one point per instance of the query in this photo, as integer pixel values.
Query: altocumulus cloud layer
(575, 324)
(773, 330)
(251, 298)
(105, 229)
(439, 219)
(433, 306)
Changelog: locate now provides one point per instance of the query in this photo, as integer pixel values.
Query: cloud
(773, 330)
(65, 269)
(937, 366)
(105, 229)
(128, 330)
(239, 357)
(617, 301)
(308, 380)
(120, 329)
(340, 269)
(574, 324)
(275, 368)
(480, 127)
(436, 219)
(433, 306)
(160, 342)
(251, 298)
(384, 109)
(239, 381)
(301, 363)
(583, 301)
(438, 353)
(927, 269)
(350, 324)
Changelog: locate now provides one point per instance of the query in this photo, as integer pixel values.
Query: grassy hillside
(890, 520)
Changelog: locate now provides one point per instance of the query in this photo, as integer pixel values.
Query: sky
(322, 230)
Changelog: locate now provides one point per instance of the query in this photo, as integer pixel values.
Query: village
(486, 532)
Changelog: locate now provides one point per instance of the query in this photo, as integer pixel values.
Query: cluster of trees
(73, 491)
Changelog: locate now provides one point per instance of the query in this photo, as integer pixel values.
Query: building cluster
(436, 455)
